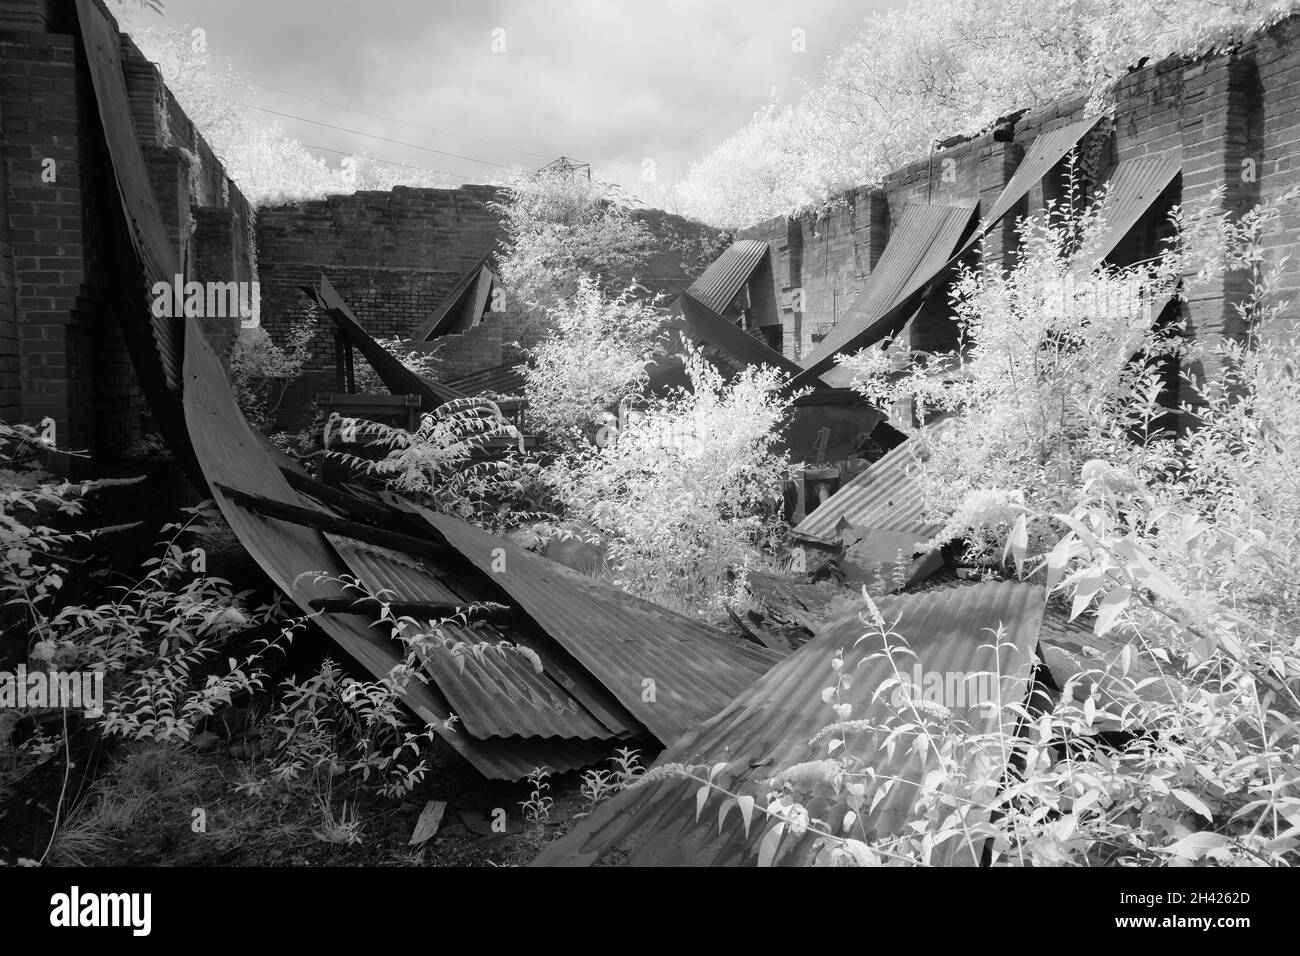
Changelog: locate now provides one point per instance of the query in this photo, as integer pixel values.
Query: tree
(939, 68)
(592, 360)
(559, 228)
(684, 490)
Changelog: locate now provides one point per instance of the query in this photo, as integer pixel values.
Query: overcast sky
(609, 82)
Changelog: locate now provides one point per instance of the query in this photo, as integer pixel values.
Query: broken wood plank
(426, 828)
(380, 515)
(325, 521)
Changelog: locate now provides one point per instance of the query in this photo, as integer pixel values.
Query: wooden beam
(384, 516)
(324, 521)
(474, 613)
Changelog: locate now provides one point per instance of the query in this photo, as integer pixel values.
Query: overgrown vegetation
(915, 76)
(1178, 547)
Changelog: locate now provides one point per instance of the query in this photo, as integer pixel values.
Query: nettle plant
(592, 359)
(687, 488)
(442, 461)
(162, 641)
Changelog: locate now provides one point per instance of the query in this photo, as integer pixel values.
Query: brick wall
(62, 263)
(1213, 113)
(394, 256)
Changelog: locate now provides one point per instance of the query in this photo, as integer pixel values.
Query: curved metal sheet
(231, 453)
(496, 693)
(706, 325)
(921, 247)
(1134, 186)
(668, 670)
(1043, 154)
(769, 727)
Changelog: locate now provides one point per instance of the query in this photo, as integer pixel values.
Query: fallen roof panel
(886, 496)
(155, 343)
(1134, 186)
(496, 693)
(706, 325)
(462, 306)
(727, 275)
(231, 454)
(769, 727)
(668, 670)
(1043, 154)
(397, 378)
(919, 249)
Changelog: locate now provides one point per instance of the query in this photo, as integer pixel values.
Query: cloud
(609, 82)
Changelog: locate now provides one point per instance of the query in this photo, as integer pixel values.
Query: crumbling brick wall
(63, 355)
(1234, 120)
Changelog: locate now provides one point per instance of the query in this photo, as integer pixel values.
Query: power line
(393, 119)
(391, 162)
(385, 139)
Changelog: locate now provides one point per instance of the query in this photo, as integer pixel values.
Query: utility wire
(393, 162)
(385, 139)
(393, 119)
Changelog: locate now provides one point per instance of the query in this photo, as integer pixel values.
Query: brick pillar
(996, 169)
(38, 113)
(1218, 115)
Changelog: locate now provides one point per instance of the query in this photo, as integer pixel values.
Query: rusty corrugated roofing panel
(706, 325)
(727, 275)
(497, 694)
(231, 454)
(463, 305)
(1134, 186)
(919, 249)
(397, 378)
(768, 728)
(622, 640)
(886, 496)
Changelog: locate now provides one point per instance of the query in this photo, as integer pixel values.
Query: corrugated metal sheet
(622, 640)
(463, 306)
(919, 249)
(769, 726)
(498, 694)
(231, 453)
(397, 378)
(155, 343)
(728, 274)
(149, 235)
(886, 496)
(706, 325)
(874, 309)
(1134, 186)
(1045, 152)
